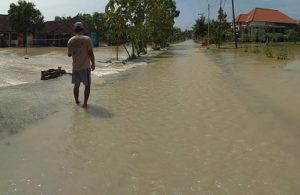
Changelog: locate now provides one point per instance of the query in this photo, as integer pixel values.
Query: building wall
(8, 39)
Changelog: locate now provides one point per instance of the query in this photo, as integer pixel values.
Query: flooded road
(193, 121)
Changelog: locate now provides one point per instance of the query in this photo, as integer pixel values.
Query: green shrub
(275, 37)
(268, 51)
(229, 35)
(255, 50)
(245, 37)
(292, 35)
(282, 53)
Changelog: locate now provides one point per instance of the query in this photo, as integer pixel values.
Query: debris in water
(52, 73)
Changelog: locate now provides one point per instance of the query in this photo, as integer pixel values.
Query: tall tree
(214, 32)
(131, 14)
(160, 20)
(117, 21)
(25, 18)
(140, 21)
(222, 18)
(200, 27)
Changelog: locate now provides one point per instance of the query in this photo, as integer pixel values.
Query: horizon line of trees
(136, 22)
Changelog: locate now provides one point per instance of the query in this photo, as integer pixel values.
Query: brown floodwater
(192, 121)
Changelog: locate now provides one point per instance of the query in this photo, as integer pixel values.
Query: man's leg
(76, 93)
(86, 95)
(87, 83)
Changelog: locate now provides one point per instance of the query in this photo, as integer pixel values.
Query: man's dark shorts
(82, 75)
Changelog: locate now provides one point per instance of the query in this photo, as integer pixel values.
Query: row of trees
(219, 32)
(138, 22)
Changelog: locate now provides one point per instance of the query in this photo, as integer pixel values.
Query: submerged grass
(268, 51)
(282, 53)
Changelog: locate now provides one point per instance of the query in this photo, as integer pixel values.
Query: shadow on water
(98, 111)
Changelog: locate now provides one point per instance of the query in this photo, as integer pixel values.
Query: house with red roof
(270, 20)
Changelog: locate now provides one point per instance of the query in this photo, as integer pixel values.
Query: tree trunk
(126, 50)
(24, 39)
(133, 51)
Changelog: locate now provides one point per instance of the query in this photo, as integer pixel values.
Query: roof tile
(265, 15)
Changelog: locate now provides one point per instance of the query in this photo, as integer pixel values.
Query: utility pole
(234, 26)
(208, 23)
(220, 20)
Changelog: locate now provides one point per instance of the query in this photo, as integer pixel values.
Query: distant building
(54, 33)
(57, 33)
(270, 20)
(8, 37)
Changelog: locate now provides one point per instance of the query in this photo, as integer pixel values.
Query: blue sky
(190, 9)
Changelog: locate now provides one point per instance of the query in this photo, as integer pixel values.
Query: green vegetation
(25, 18)
(62, 18)
(255, 50)
(141, 22)
(259, 35)
(177, 35)
(220, 31)
(268, 51)
(136, 22)
(245, 37)
(292, 36)
(219, 28)
(200, 28)
(282, 53)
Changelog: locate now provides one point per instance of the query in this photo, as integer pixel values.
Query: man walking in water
(81, 49)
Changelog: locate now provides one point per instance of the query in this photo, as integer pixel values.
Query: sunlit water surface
(193, 121)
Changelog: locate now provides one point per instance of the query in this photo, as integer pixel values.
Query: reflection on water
(191, 122)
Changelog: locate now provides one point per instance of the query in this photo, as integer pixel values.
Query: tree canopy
(62, 18)
(200, 27)
(141, 22)
(24, 17)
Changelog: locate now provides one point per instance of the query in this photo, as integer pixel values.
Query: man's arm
(92, 58)
(69, 48)
(69, 52)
